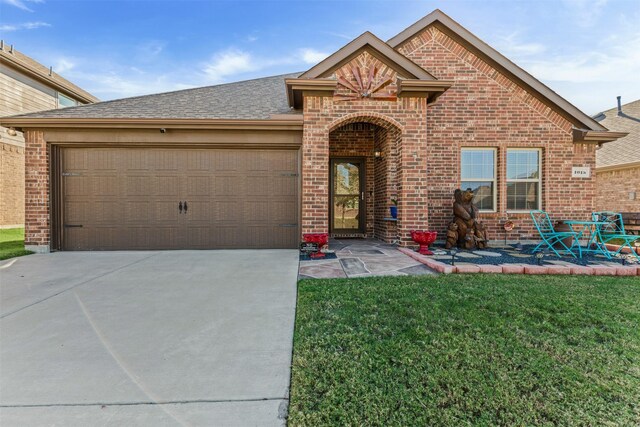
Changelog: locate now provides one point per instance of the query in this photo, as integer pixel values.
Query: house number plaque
(580, 172)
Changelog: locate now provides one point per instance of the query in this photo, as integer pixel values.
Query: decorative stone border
(593, 270)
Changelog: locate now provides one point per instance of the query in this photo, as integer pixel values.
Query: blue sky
(586, 50)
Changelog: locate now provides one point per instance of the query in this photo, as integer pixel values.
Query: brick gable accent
(484, 108)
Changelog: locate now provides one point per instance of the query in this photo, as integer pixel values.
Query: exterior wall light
(377, 154)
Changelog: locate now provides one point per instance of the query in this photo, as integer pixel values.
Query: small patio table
(593, 228)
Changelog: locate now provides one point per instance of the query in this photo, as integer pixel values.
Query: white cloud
(591, 79)
(149, 50)
(21, 4)
(63, 65)
(24, 26)
(585, 12)
(229, 62)
(312, 56)
(511, 45)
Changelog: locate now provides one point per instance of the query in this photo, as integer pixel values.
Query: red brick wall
(386, 184)
(613, 188)
(37, 217)
(322, 115)
(484, 108)
(11, 185)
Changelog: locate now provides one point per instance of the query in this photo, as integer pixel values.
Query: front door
(347, 214)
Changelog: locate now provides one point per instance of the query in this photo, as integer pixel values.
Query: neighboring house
(25, 86)
(618, 162)
(256, 164)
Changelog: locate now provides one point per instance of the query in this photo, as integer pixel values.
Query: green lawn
(461, 350)
(12, 243)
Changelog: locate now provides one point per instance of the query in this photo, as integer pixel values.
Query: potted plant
(394, 208)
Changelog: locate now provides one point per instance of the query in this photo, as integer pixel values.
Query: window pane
(477, 164)
(483, 193)
(523, 164)
(346, 178)
(65, 101)
(522, 196)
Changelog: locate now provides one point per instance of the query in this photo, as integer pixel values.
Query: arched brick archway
(358, 136)
(404, 125)
(374, 118)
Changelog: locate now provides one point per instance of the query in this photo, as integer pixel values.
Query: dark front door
(347, 214)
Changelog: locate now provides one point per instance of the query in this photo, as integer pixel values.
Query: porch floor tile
(362, 258)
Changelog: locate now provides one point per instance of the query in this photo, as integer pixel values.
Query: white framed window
(524, 170)
(478, 172)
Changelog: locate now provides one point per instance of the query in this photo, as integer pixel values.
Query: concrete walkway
(147, 338)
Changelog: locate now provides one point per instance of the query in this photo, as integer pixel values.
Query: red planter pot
(320, 238)
(424, 239)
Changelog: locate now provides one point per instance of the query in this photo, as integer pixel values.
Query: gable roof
(625, 151)
(378, 48)
(32, 68)
(497, 60)
(255, 99)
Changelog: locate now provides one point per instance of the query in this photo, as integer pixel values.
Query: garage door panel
(138, 212)
(104, 185)
(139, 185)
(200, 211)
(77, 186)
(258, 186)
(106, 212)
(102, 160)
(128, 198)
(283, 211)
(76, 211)
(283, 186)
(229, 185)
(256, 211)
(168, 185)
(198, 185)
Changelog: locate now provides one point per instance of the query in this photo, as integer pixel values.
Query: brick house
(618, 163)
(25, 86)
(255, 164)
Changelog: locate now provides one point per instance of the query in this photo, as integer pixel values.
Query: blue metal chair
(613, 229)
(553, 238)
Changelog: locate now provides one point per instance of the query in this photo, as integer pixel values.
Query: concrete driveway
(147, 338)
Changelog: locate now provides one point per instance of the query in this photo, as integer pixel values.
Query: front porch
(363, 182)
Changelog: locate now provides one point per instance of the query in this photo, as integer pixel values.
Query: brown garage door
(131, 198)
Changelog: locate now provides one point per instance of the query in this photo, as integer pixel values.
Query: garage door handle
(72, 226)
(180, 207)
(185, 207)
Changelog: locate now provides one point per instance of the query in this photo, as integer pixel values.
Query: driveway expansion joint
(77, 285)
(142, 402)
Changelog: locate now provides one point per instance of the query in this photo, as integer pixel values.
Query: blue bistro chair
(552, 238)
(613, 228)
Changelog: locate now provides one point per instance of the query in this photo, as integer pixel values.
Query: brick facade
(37, 216)
(614, 187)
(421, 146)
(11, 185)
(484, 108)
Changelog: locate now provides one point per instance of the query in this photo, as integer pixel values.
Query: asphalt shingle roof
(250, 99)
(624, 150)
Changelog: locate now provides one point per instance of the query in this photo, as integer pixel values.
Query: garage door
(179, 199)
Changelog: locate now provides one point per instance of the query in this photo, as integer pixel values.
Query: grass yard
(12, 243)
(461, 350)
